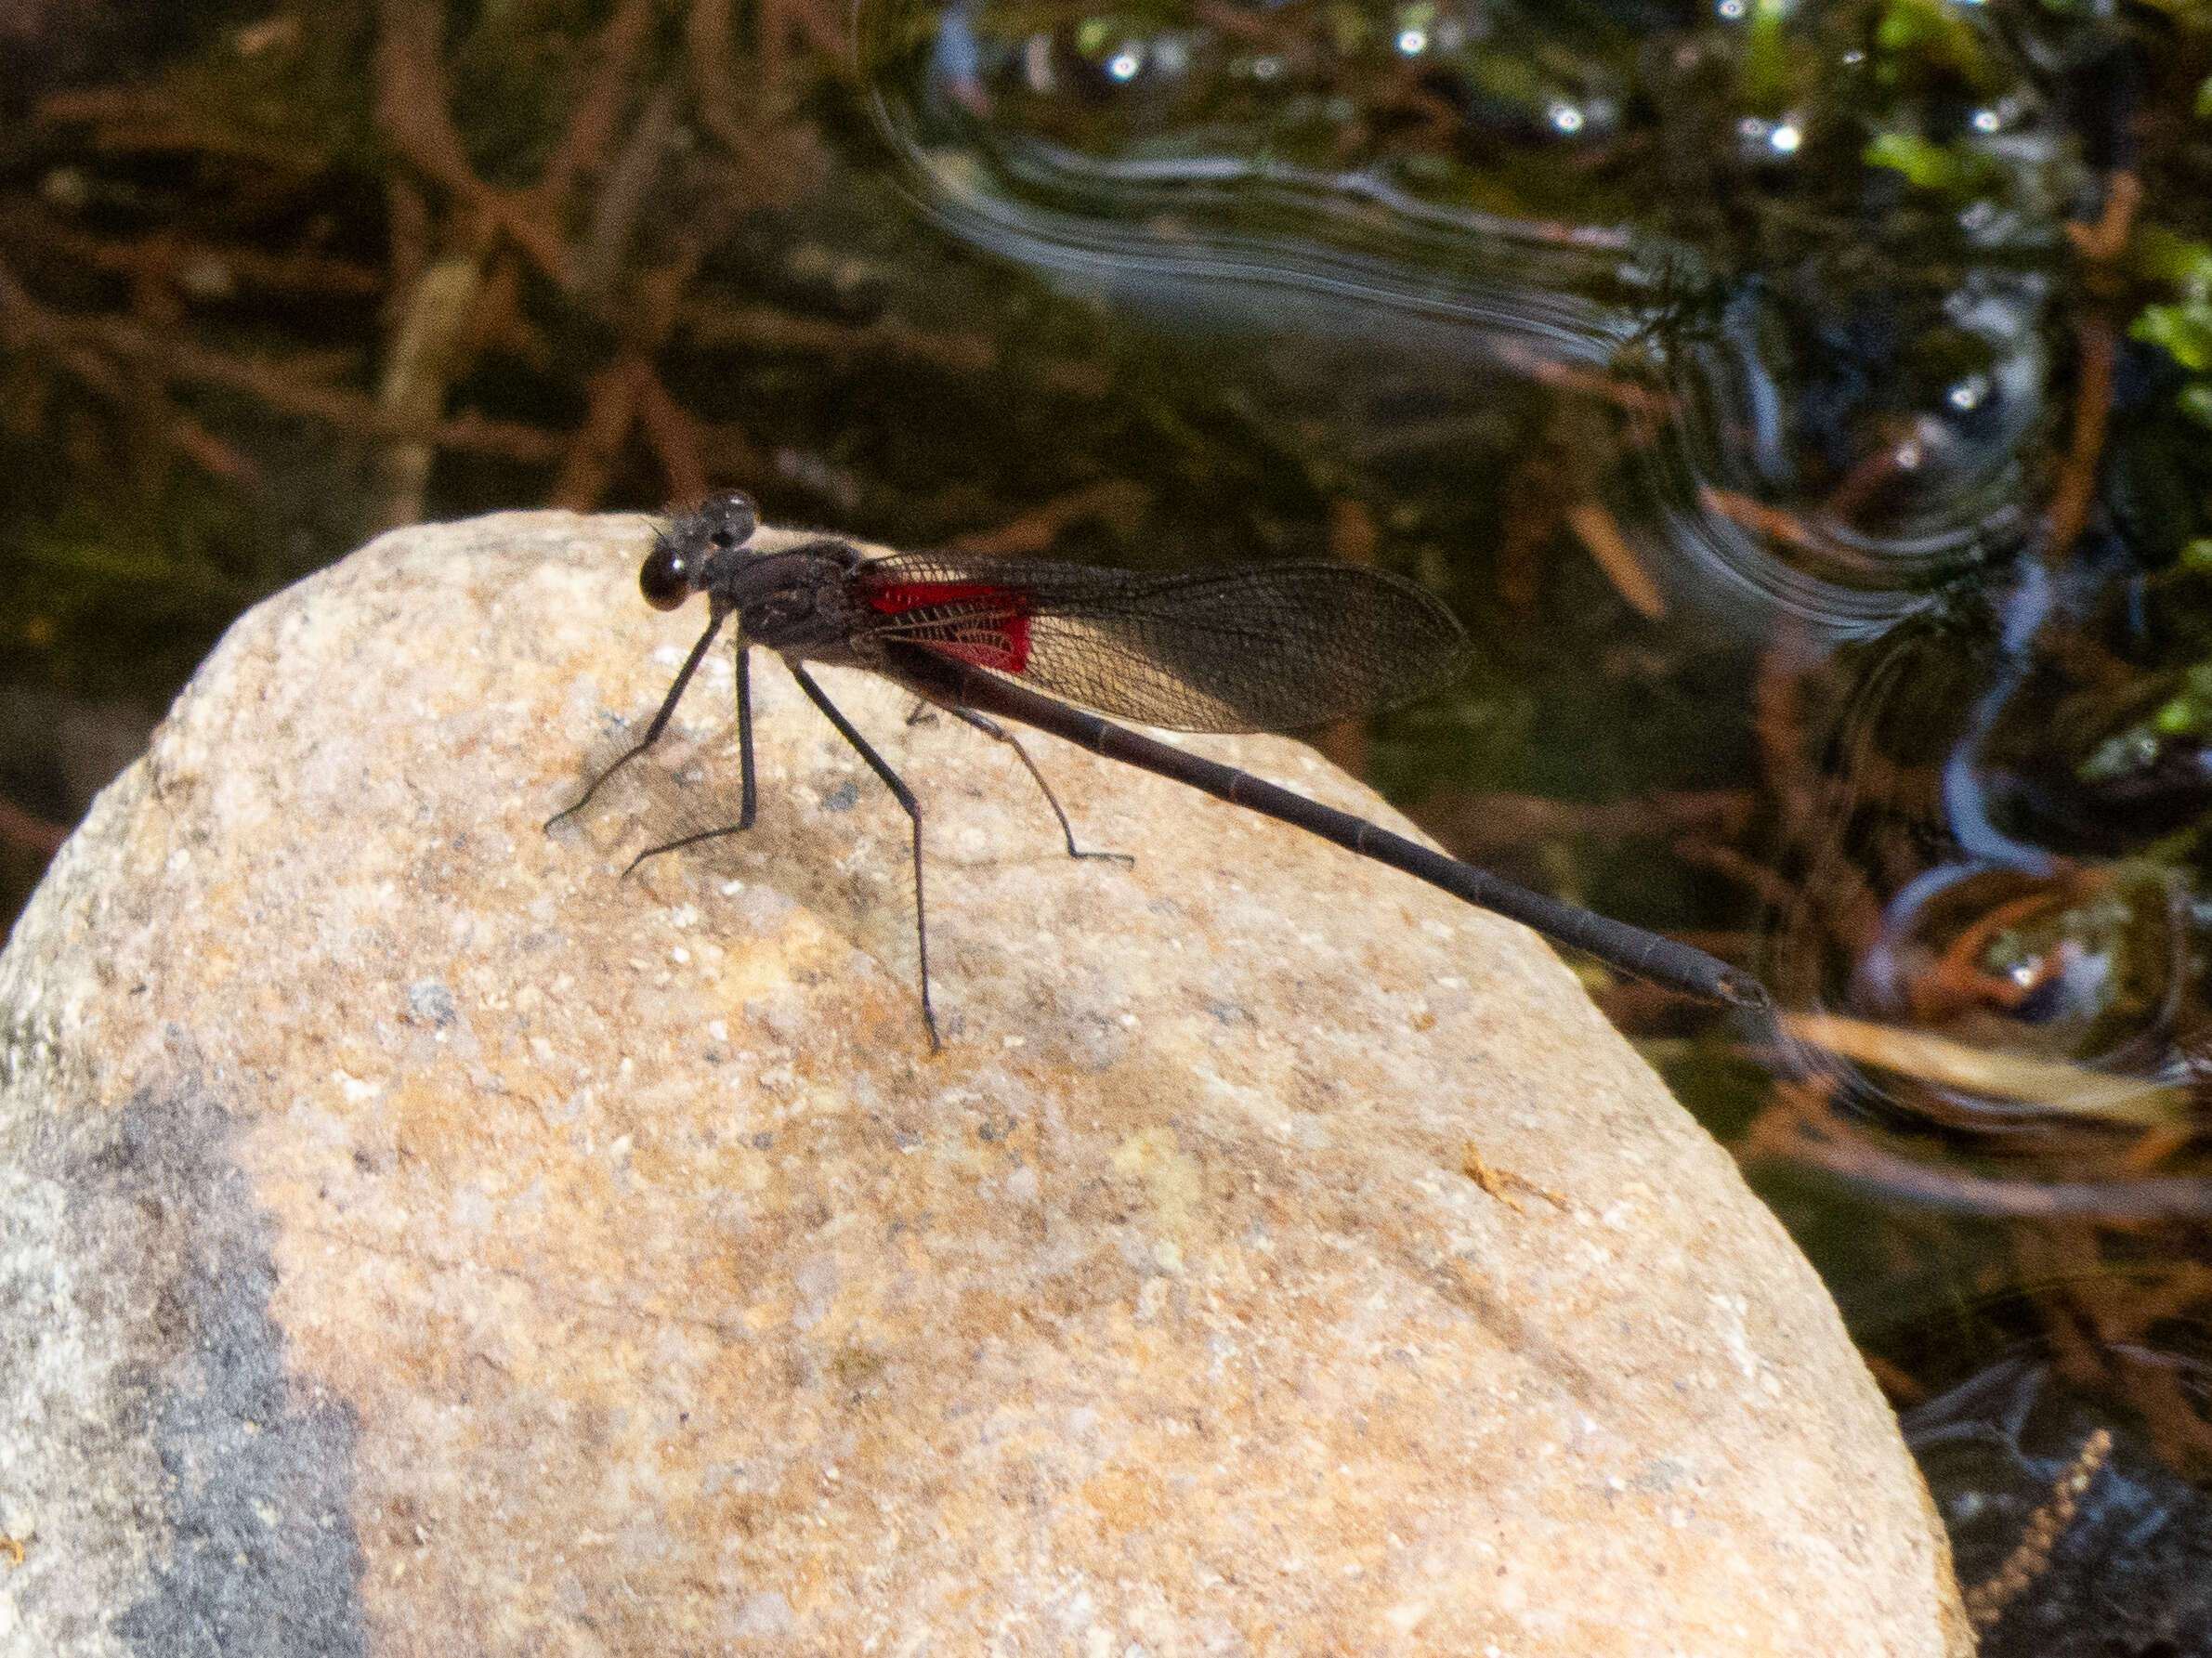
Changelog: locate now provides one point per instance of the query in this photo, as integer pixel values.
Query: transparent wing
(1249, 648)
(1246, 648)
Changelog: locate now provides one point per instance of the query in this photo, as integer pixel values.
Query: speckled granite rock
(414, 1240)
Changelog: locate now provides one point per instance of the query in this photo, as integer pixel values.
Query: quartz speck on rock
(415, 1234)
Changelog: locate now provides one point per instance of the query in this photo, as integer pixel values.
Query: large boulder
(416, 1239)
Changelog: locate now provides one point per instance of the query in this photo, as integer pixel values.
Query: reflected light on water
(1853, 387)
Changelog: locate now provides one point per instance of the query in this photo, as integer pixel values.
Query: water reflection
(1881, 433)
(2014, 789)
(1823, 233)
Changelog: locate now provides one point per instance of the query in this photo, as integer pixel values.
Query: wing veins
(1233, 649)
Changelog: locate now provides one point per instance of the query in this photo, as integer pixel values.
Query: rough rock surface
(416, 1239)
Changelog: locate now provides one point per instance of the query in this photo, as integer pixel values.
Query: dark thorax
(798, 603)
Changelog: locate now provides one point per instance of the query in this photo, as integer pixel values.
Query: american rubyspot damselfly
(1248, 647)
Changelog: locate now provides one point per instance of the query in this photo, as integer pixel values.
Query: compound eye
(739, 519)
(665, 576)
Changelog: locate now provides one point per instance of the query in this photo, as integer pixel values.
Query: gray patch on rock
(261, 1555)
(429, 1000)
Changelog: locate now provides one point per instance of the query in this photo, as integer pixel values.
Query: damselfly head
(683, 557)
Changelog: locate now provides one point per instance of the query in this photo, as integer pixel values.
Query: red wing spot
(978, 623)
(894, 598)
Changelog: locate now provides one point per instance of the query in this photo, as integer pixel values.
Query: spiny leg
(668, 709)
(913, 811)
(748, 797)
(998, 733)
